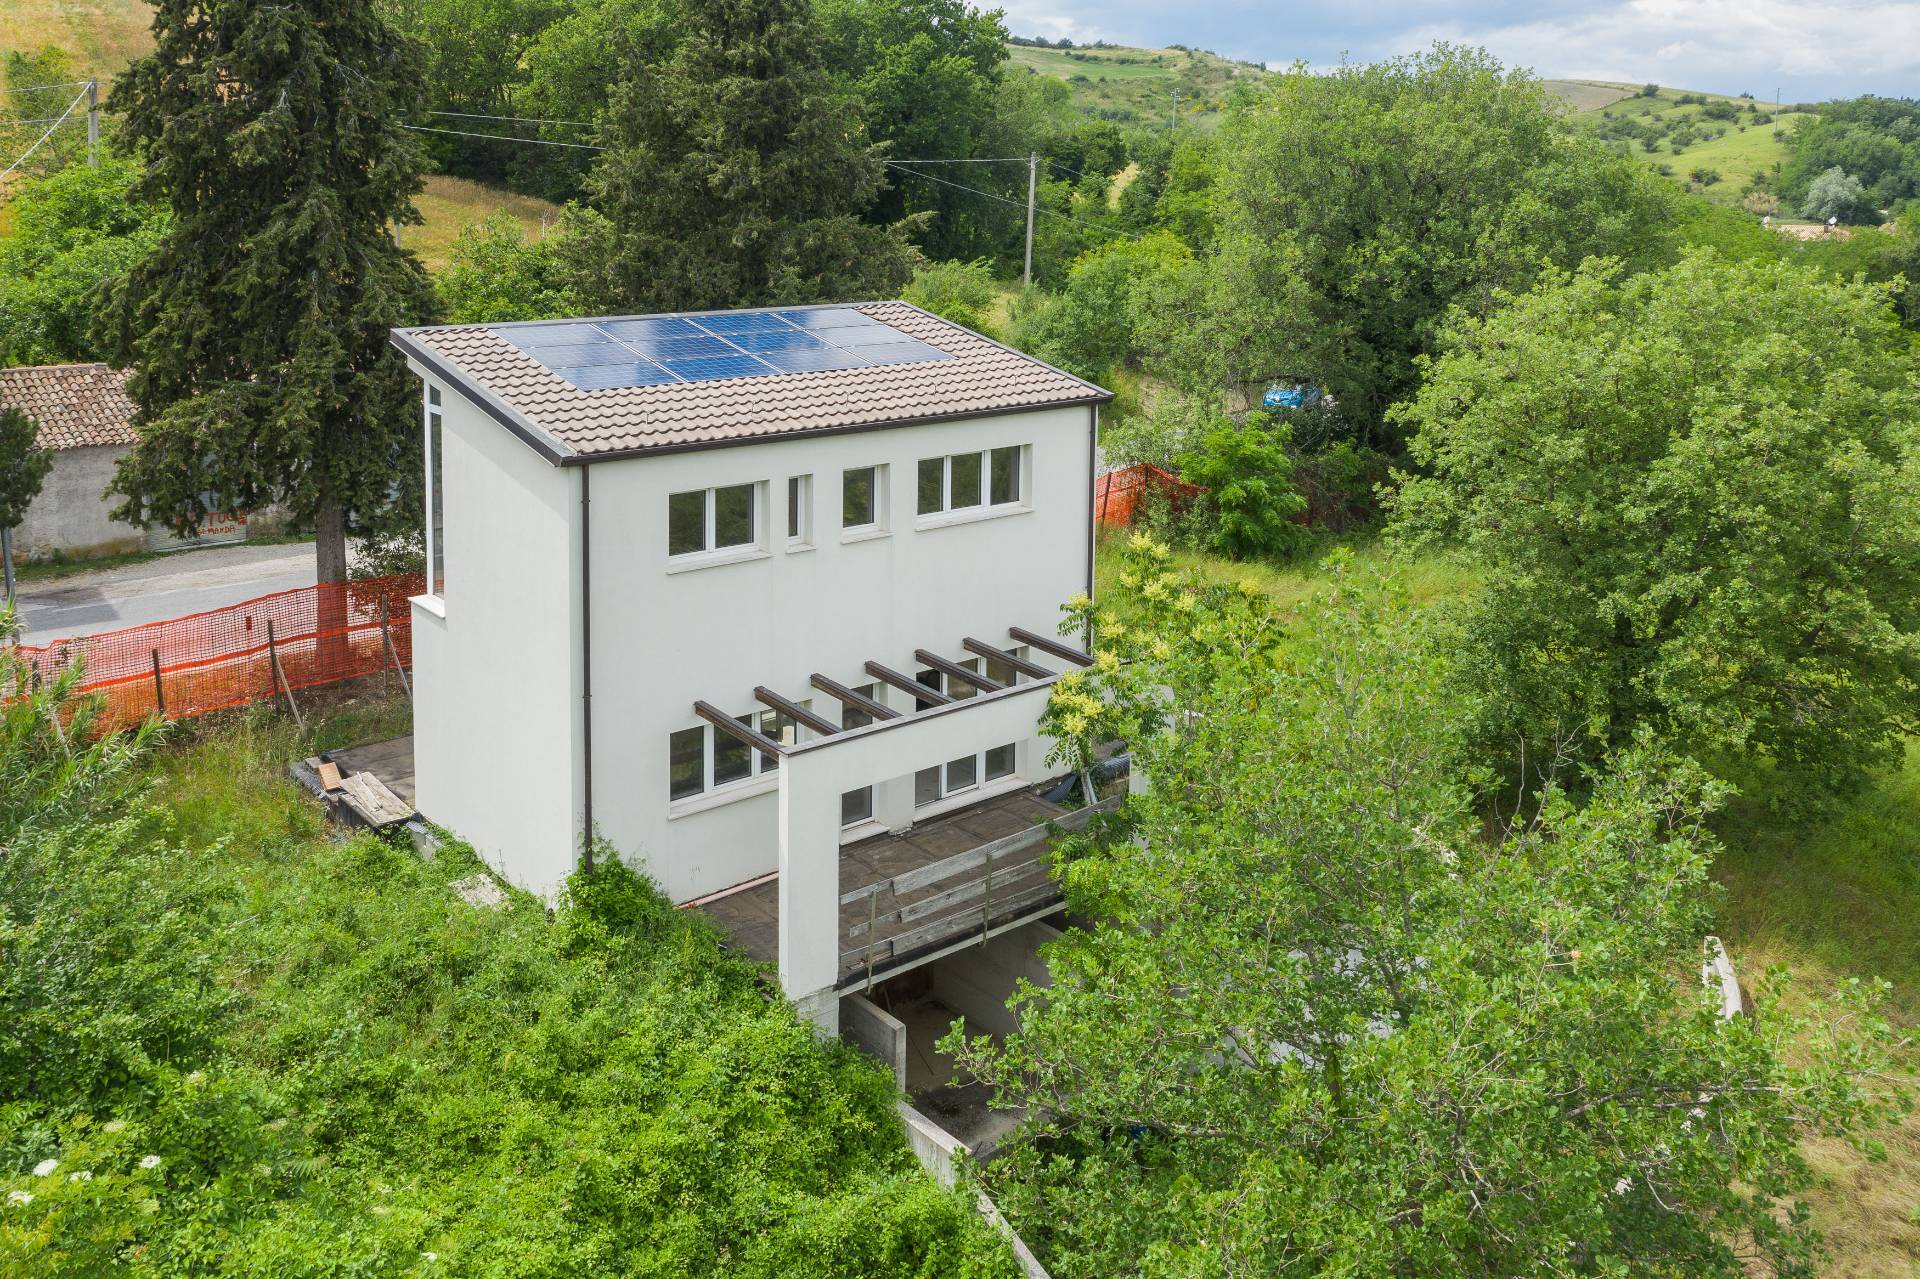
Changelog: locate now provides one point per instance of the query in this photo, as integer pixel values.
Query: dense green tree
(958, 291)
(1694, 495)
(23, 467)
(41, 84)
(737, 173)
(257, 328)
(1333, 1021)
(1876, 139)
(1357, 207)
(1838, 195)
(1088, 328)
(496, 274)
(73, 231)
(1251, 504)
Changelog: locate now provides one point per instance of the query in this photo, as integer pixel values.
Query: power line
(499, 137)
(57, 84)
(997, 159)
(1021, 204)
(518, 119)
(77, 100)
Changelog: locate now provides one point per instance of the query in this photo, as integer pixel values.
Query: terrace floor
(970, 870)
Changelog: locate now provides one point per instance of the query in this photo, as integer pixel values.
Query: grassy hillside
(449, 205)
(1138, 85)
(1729, 151)
(101, 36)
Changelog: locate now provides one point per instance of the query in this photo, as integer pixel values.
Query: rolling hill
(1137, 86)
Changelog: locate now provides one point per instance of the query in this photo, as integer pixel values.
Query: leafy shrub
(1252, 503)
(1837, 194)
(957, 291)
(1704, 177)
(1089, 327)
(496, 274)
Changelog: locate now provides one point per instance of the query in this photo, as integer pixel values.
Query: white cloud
(1726, 45)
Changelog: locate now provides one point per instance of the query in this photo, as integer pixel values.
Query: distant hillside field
(101, 36)
(1589, 95)
(1731, 151)
(1138, 85)
(450, 205)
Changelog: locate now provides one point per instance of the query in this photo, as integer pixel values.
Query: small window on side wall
(799, 510)
(716, 519)
(861, 498)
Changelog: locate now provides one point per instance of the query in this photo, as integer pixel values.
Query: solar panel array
(658, 349)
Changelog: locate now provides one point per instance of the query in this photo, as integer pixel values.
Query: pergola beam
(733, 727)
(1052, 647)
(860, 701)
(794, 711)
(953, 670)
(1021, 664)
(907, 684)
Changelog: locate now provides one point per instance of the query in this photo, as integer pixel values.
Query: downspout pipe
(586, 669)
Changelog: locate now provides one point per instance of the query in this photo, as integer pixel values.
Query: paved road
(155, 590)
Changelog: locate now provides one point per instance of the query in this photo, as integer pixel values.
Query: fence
(240, 653)
(1119, 495)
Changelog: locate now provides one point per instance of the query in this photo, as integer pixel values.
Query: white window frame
(800, 512)
(982, 786)
(710, 555)
(881, 491)
(985, 509)
(434, 426)
(762, 770)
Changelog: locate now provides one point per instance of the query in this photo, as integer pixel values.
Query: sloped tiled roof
(562, 421)
(75, 406)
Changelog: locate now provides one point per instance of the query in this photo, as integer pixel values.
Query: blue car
(1297, 396)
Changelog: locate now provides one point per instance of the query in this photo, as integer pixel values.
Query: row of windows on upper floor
(731, 518)
(701, 758)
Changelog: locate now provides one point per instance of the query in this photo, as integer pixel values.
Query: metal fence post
(159, 692)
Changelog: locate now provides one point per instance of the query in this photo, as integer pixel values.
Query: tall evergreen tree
(736, 172)
(257, 329)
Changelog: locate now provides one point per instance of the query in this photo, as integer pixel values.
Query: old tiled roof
(75, 406)
(564, 422)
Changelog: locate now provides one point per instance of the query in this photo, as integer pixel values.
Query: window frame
(983, 506)
(877, 526)
(800, 512)
(709, 552)
(980, 784)
(434, 515)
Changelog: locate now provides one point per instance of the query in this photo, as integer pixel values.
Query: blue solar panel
(718, 366)
(906, 352)
(662, 349)
(759, 343)
(813, 361)
(653, 326)
(681, 348)
(829, 317)
(598, 377)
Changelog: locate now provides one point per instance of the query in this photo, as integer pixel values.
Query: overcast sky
(1810, 48)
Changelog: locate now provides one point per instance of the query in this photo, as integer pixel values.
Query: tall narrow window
(799, 510)
(1005, 486)
(852, 716)
(687, 763)
(436, 500)
(860, 499)
(856, 806)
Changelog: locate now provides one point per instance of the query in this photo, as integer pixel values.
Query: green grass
(1138, 84)
(450, 205)
(1742, 151)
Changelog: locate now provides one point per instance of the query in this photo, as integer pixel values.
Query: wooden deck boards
(751, 915)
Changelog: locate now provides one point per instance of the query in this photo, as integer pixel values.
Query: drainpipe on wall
(586, 673)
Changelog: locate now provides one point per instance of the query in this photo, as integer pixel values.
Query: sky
(1807, 49)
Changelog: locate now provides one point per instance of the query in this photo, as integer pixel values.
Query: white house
(767, 599)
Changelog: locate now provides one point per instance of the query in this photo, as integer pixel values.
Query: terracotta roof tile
(982, 377)
(74, 406)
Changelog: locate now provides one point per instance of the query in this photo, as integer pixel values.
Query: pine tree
(736, 172)
(257, 330)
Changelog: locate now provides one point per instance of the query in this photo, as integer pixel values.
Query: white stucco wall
(69, 516)
(496, 680)
(663, 639)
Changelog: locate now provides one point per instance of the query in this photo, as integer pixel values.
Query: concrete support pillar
(1030, 759)
(893, 802)
(810, 895)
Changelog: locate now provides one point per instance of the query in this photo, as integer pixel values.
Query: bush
(1704, 177)
(1252, 503)
(497, 274)
(1649, 90)
(1089, 327)
(1837, 194)
(957, 291)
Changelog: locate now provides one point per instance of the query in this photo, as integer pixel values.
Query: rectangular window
(1000, 762)
(799, 510)
(687, 762)
(856, 806)
(926, 787)
(852, 716)
(931, 785)
(436, 497)
(860, 498)
(962, 773)
(716, 519)
(1002, 673)
(1005, 486)
(964, 481)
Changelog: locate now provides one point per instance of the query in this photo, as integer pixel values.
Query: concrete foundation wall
(69, 518)
(977, 982)
(873, 1029)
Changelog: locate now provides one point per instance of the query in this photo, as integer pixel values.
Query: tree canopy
(736, 174)
(1695, 497)
(1324, 1021)
(257, 326)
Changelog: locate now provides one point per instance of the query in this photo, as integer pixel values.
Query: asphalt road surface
(158, 589)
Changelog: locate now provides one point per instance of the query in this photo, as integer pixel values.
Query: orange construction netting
(227, 656)
(1118, 495)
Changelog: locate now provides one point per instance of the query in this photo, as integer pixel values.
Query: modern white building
(769, 600)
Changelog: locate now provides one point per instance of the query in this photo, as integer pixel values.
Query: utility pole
(6, 560)
(1033, 181)
(93, 124)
